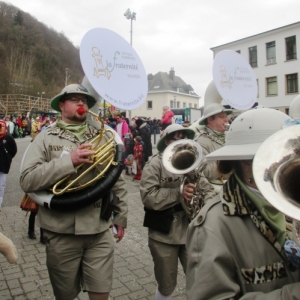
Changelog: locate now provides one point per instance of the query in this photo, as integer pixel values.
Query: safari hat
(37, 118)
(295, 108)
(161, 146)
(213, 109)
(73, 89)
(247, 132)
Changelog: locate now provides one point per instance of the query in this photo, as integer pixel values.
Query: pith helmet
(247, 132)
(161, 146)
(73, 89)
(213, 109)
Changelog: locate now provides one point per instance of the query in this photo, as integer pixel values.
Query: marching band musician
(164, 214)
(79, 244)
(212, 137)
(236, 243)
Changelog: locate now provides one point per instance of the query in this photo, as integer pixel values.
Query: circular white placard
(113, 68)
(235, 79)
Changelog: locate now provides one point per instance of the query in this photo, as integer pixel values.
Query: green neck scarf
(274, 218)
(77, 129)
(220, 136)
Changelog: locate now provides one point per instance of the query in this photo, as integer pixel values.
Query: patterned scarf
(239, 200)
(215, 136)
(77, 130)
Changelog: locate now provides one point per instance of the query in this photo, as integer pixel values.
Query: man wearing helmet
(211, 136)
(165, 216)
(238, 245)
(79, 244)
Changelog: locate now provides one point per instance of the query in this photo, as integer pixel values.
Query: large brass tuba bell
(184, 157)
(276, 170)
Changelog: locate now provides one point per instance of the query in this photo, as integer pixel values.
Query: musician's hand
(80, 154)
(188, 191)
(120, 232)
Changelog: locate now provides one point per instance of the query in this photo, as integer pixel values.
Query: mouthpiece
(227, 125)
(81, 110)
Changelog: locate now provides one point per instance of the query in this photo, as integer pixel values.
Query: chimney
(172, 74)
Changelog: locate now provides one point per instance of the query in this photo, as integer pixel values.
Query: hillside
(34, 57)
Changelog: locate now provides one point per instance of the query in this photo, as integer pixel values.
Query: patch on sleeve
(264, 274)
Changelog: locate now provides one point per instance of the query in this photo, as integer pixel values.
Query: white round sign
(235, 79)
(113, 68)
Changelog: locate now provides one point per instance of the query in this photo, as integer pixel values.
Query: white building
(166, 89)
(273, 57)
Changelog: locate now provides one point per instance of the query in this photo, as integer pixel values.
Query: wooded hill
(34, 57)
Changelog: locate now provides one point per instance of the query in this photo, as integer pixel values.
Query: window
(271, 53)
(290, 46)
(149, 104)
(271, 86)
(253, 56)
(178, 104)
(292, 83)
(190, 105)
(172, 104)
(184, 104)
(195, 105)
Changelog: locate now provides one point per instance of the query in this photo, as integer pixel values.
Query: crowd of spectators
(21, 126)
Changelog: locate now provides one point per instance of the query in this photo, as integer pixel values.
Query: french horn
(276, 170)
(103, 158)
(184, 157)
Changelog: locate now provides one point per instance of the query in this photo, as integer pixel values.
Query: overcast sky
(168, 33)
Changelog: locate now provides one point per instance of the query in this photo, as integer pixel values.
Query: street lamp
(130, 16)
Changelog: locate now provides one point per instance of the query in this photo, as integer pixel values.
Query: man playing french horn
(79, 244)
(165, 216)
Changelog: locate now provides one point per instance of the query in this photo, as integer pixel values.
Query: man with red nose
(79, 243)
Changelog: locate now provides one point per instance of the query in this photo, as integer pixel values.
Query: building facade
(166, 89)
(273, 56)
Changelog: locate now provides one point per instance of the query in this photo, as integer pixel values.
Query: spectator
(145, 134)
(8, 149)
(122, 127)
(167, 116)
(10, 126)
(138, 157)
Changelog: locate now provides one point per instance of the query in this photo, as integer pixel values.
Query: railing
(16, 105)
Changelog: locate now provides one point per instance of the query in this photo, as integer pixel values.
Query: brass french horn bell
(276, 170)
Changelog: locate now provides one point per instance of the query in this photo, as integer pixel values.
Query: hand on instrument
(188, 191)
(120, 232)
(81, 154)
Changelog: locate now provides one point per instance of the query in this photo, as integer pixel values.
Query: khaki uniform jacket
(160, 190)
(46, 162)
(209, 145)
(221, 248)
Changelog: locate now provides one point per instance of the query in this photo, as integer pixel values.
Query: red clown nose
(81, 110)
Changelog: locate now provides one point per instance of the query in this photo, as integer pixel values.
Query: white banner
(113, 68)
(235, 79)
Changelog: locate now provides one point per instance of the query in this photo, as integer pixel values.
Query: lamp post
(130, 16)
(67, 76)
